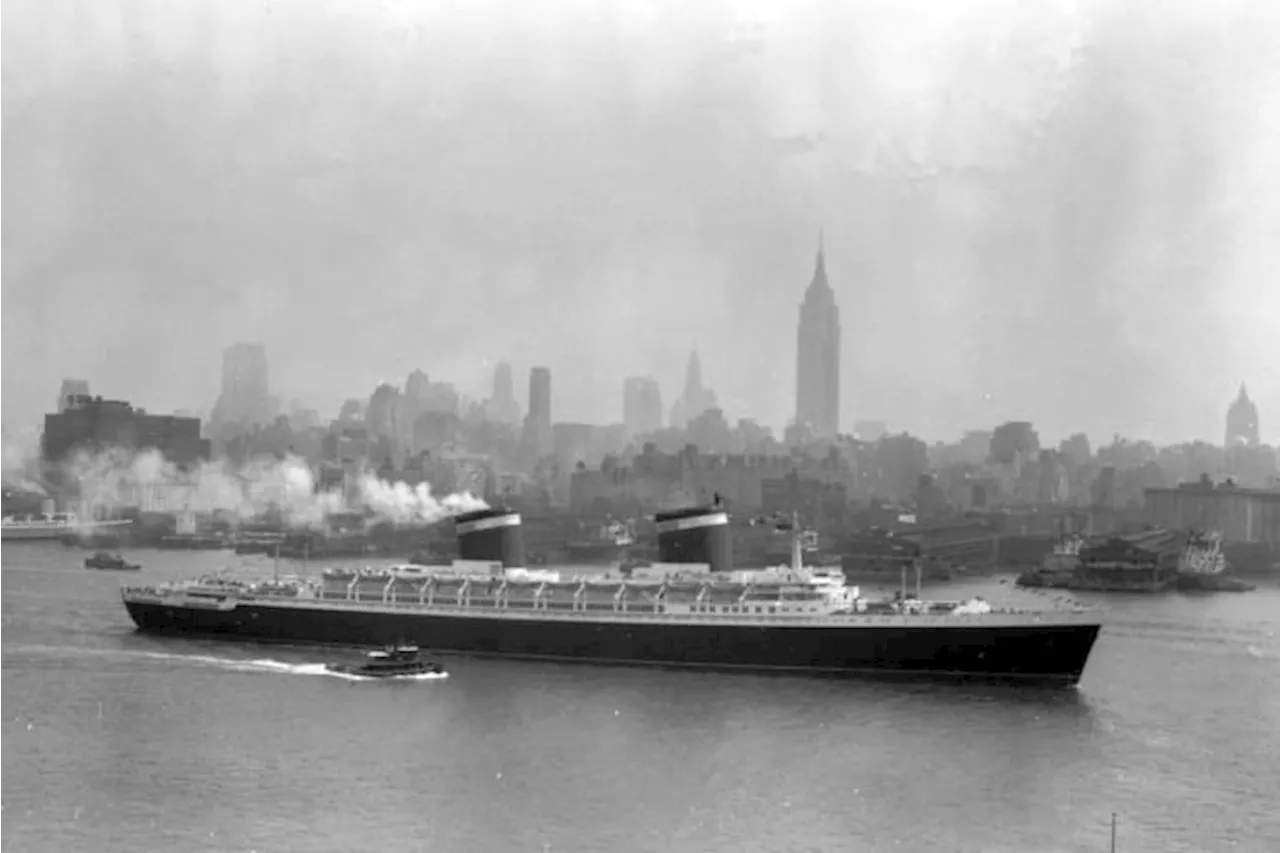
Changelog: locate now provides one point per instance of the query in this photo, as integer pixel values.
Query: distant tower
(641, 405)
(382, 414)
(693, 377)
(71, 388)
(1242, 421)
(818, 354)
(503, 387)
(415, 387)
(696, 397)
(246, 396)
(536, 436)
(502, 406)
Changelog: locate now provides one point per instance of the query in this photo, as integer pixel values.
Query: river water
(115, 741)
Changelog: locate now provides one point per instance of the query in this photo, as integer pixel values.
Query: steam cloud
(117, 478)
(21, 463)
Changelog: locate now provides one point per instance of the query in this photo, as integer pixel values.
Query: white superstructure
(51, 526)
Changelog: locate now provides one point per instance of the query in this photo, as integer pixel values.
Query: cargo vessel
(690, 609)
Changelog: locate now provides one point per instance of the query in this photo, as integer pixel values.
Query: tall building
(246, 396)
(536, 437)
(1242, 421)
(818, 355)
(383, 411)
(93, 424)
(415, 387)
(696, 397)
(503, 386)
(502, 406)
(641, 405)
(71, 390)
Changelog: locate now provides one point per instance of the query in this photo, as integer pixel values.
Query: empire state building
(818, 355)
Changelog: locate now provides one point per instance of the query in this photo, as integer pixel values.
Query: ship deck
(993, 619)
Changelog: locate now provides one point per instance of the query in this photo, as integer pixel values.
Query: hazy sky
(1063, 212)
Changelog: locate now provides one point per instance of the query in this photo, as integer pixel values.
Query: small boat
(110, 562)
(394, 662)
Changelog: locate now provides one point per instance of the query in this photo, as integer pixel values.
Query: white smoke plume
(405, 504)
(118, 479)
(22, 462)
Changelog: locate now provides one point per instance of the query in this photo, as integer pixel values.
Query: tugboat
(394, 662)
(1204, 568)
(110, 562)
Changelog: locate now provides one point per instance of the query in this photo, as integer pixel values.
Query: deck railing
(643, 615)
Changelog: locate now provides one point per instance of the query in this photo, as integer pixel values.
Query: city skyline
(246, 393)
(975, 256)
(246, 397)
(1244, 422)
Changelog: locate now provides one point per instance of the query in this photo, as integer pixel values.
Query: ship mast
(797, 550)
(916, 563)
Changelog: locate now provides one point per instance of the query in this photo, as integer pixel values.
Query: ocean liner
(690, 609)
(54, 526)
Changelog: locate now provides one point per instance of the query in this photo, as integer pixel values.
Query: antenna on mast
(797, 550)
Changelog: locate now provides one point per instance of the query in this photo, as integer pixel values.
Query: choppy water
(118, 742)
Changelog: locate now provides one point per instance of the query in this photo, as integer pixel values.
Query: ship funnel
(491, 535)
(697, 535)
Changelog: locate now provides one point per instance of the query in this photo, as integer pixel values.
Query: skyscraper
(503, 387)
(70, 390)
(818, 355)
(502, 406)
(415, 387)
(246, 397)
(1242, 421)
(641, 405)
(536, 437)
(696, 397)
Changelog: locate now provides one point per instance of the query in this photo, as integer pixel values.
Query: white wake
(263, 665)
(267, 665)
(284, 668)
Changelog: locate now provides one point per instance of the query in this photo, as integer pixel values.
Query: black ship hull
(1040, 654)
